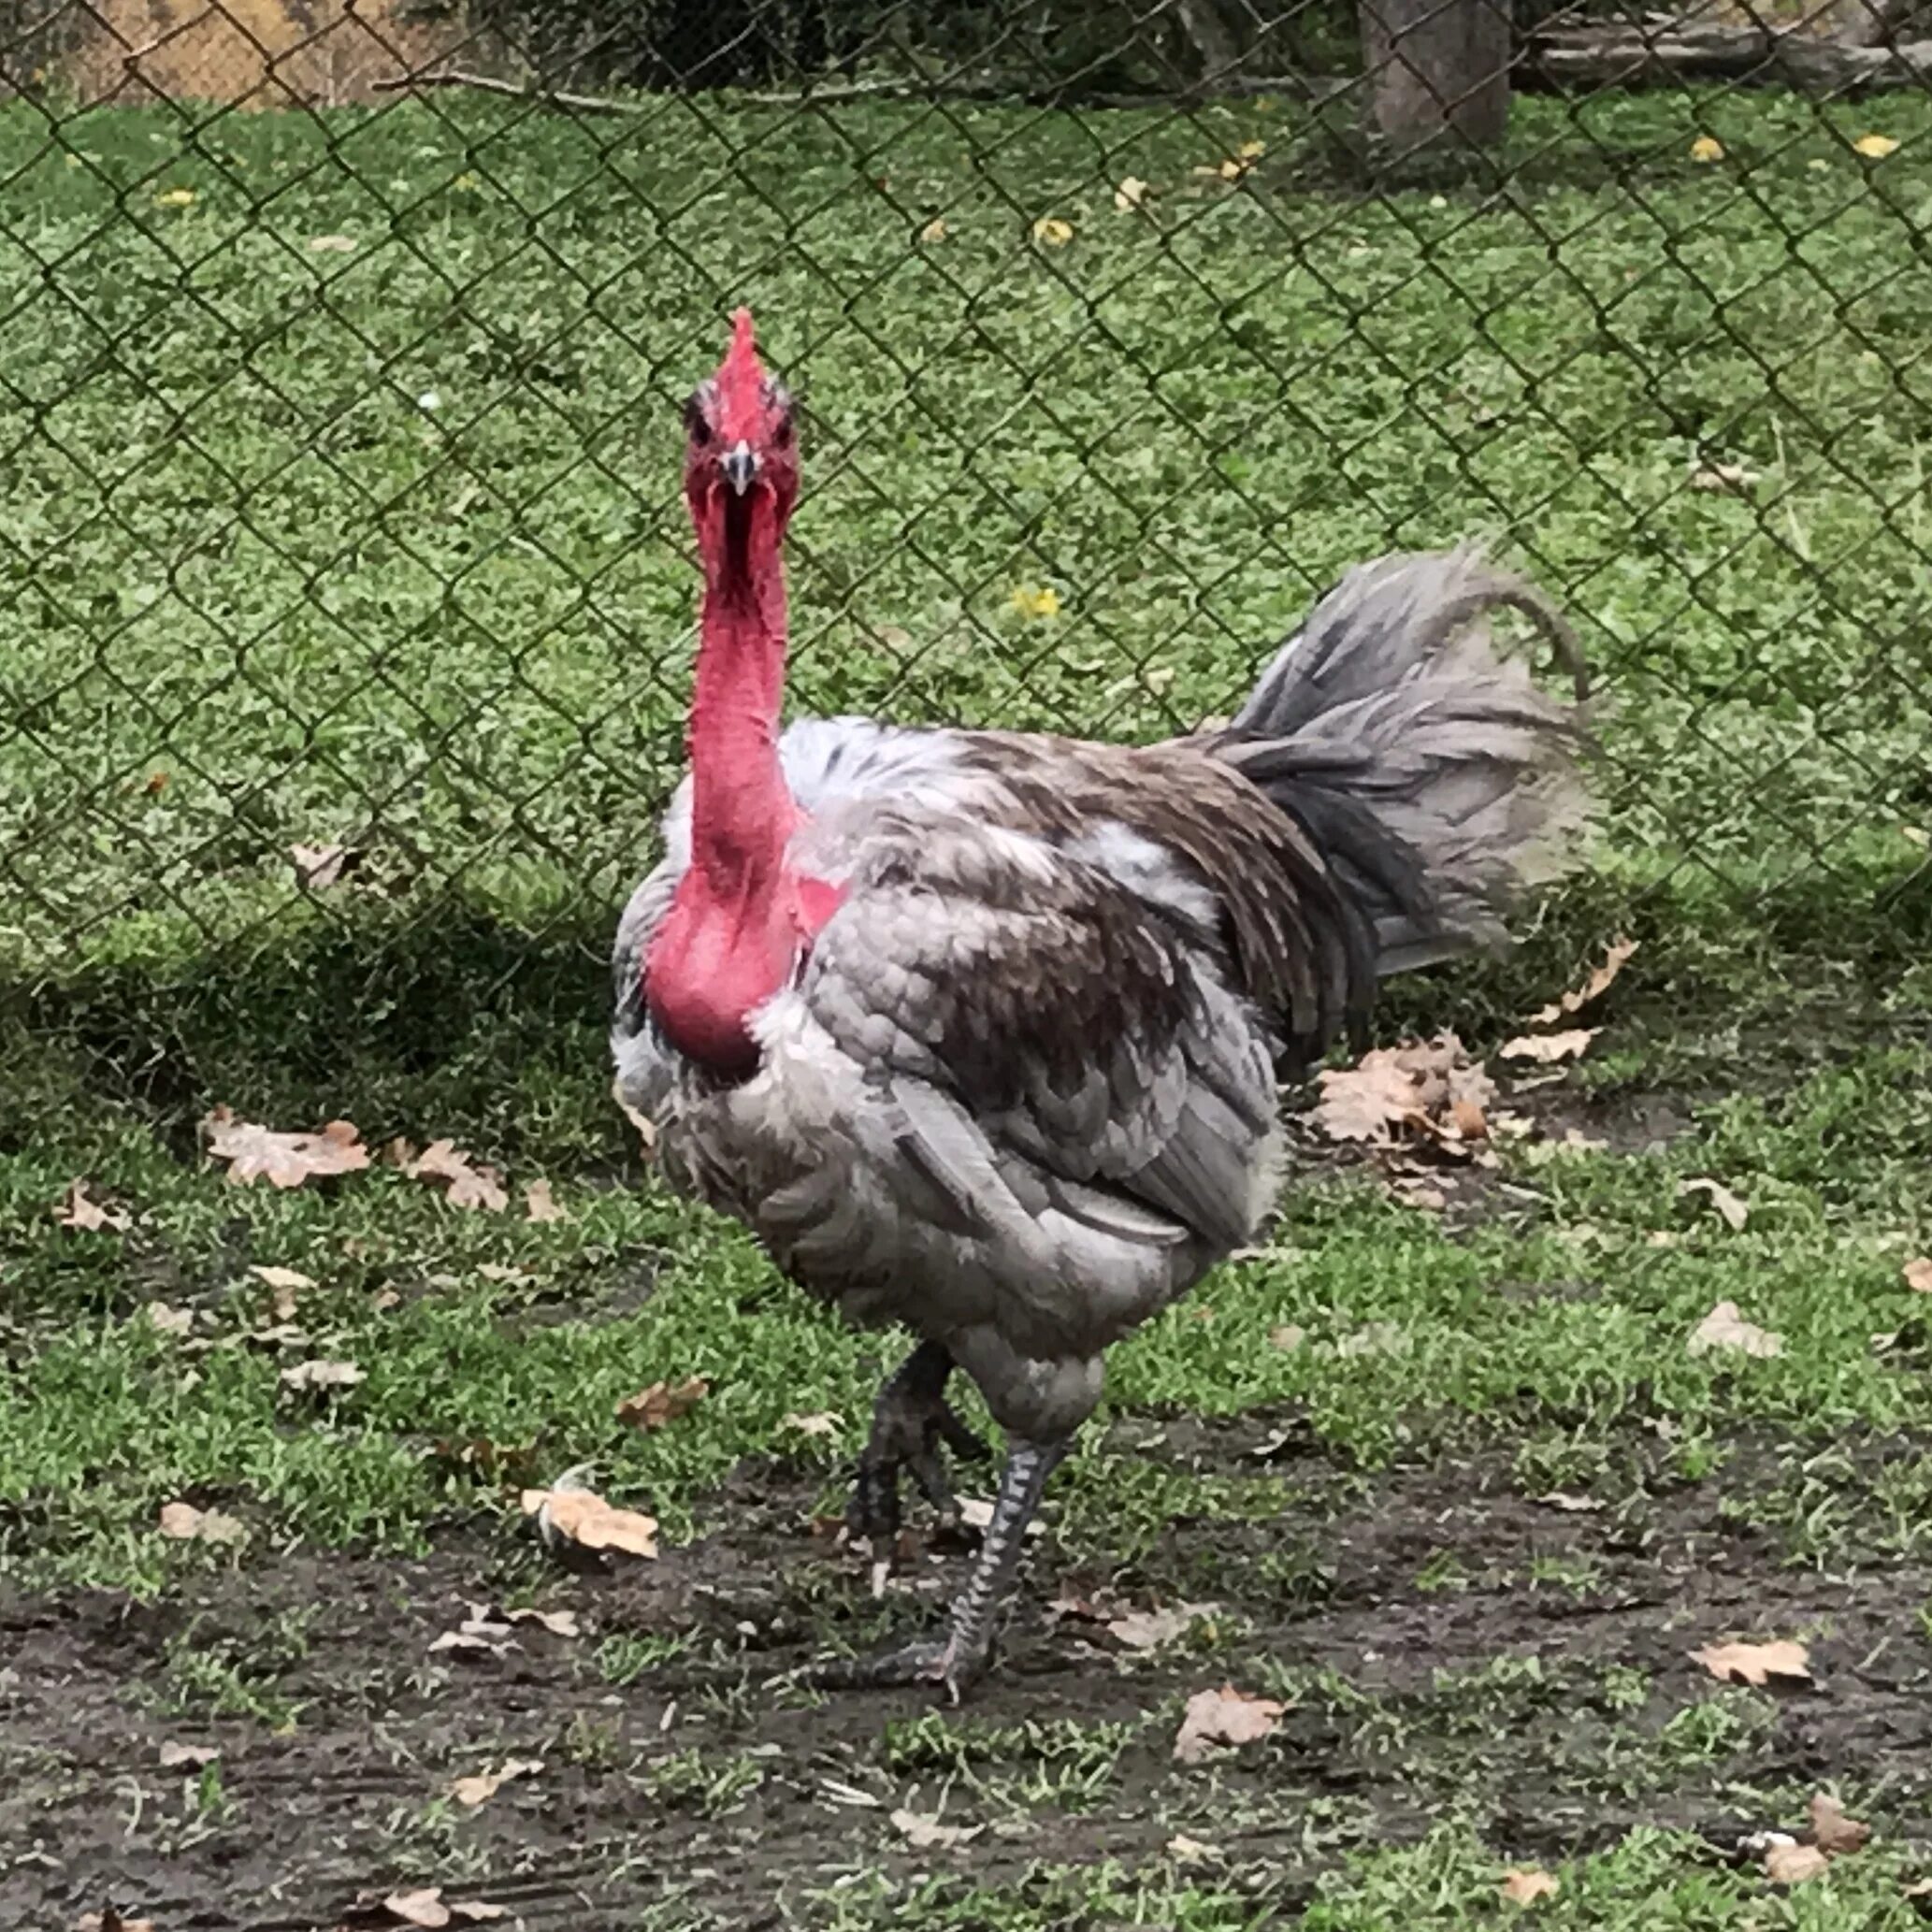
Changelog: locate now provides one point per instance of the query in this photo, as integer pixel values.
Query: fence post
(1436, 68)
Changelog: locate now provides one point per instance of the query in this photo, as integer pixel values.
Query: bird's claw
(939, 1662)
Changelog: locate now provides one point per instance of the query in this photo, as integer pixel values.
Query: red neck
(742, 810)
(737, 923)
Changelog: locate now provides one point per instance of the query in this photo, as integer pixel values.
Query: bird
(982, 1032)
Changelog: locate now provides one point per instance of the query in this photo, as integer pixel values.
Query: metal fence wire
(346, 583)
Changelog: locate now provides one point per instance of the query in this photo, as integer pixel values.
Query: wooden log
(1437, 72)
(1616, 56)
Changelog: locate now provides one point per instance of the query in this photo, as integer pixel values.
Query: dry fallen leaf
(1546, 1050)
(1525, 1884)
(1149, 1630)
(319, 867)
(1131, 193)
(1731, 479)
(1706, 148)
(819, 1422)
(1052, 231)
(1594, 987)
(1875, 147)
(662, 1403)
(540, 1203)
(279, 1278)
(481, 1786)
(194, 1756)
(1223, 1717)
(583, 1517)
(1288, 1337)
(169, 1321)
(1429, 1087)
(925, 1834)
(1834, 1831)
(331, 244)
(466, 1182)
(187, 1524)
(283, 1160)
(306, 1376)
(110, 1920)
(423, 1906)
(1792, 1863)
(1756, 1663)
(1724, 1328)
(935, 230)
(1735, 1212)
(1918, 1274)
(76, 1210)
(1187, 1850)
(477, 1911)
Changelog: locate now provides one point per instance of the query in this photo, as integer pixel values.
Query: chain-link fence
(346, 581)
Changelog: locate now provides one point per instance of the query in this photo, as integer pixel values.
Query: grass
(381, 546)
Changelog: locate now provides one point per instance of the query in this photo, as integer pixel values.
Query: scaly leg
(958, 1658)
(910, 1421)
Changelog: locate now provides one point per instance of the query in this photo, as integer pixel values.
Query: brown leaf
(1732, 478)
(423, 1906)
(540, 1203)
(1149, 1630)
(309, 1376)
(187, 1524)
(584, 1518)
(484, 1785)
(1416, 1086)
(173, 1756)
(283, 1160)
(925, 1834)
(477, 1911)
(1792, 1865)
(331, 244)
(1525, 1884)
(662, 1403)
(1724, 1328)
(169, 1321)
(558, 1622)
(1593, 988)
(1288, 1337)
(76, 1210)
(1918, 1274)
(1756, 1663)
(1223, 1717)
(319, 867)
(466, 1183)
(1834, 1831)
(1735, 1212)
(819, 1422)
(1546, 1050)
(290, 1278)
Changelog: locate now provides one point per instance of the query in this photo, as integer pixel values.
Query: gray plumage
(1021, 1092)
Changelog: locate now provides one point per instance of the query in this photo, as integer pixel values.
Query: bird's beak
(740, 464)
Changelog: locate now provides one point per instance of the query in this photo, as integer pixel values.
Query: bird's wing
(1013, 998)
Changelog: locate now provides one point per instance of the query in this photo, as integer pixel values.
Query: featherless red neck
(739, 921)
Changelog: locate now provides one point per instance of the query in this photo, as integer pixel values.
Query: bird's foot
(912, 1424)
(942, 1663)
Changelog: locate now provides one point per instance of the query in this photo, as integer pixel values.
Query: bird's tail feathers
(1431, 771)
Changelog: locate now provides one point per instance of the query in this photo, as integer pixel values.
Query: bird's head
(741, 460)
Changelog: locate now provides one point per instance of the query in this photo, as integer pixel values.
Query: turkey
(980, 1032)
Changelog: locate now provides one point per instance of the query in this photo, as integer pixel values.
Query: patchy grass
(382, 547)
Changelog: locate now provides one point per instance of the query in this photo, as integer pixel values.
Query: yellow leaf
(1029, 602)
(1524, 1884)
(1131, 193)
(1706, 148)
(1054, 232)
(1874, 147)
(1253, 150)
(935, 230)
(175, 198)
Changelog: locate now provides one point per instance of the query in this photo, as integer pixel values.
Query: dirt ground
(694, 1781)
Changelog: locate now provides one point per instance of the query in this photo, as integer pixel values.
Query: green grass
(261, 592)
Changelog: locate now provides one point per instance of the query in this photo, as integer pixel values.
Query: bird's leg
(911, 1420)
(958, 1657)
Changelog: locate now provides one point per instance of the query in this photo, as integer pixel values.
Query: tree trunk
(1439, 71)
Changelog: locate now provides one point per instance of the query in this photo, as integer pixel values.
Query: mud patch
(1454, 1646)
